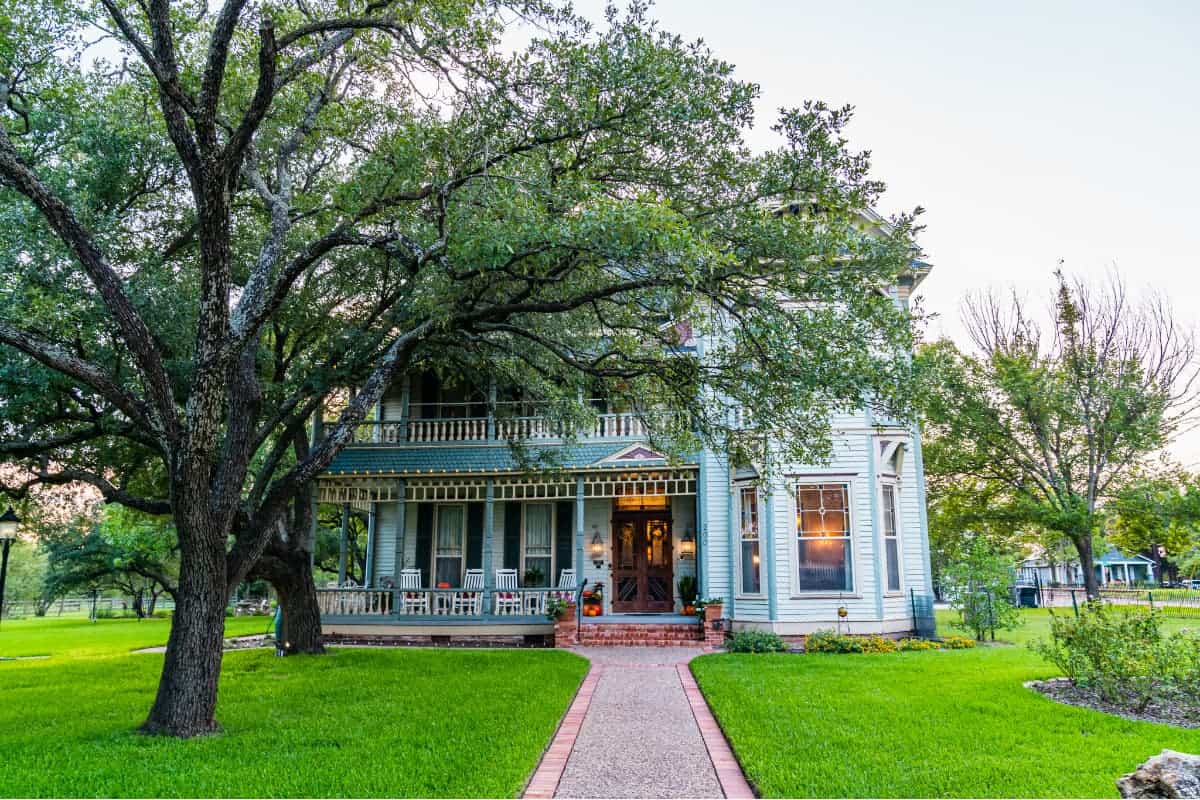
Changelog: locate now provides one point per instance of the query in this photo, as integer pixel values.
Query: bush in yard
(918, 644)
(1124, 657)
(957, 643)
(755, 642)
(833, 642)
(978, 585)
(878, 644)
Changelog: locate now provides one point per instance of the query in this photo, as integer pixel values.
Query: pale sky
(1030, 132)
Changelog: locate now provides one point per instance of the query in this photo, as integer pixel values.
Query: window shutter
(564, 535)
(512, 536)
(474, 535)
(424, 540)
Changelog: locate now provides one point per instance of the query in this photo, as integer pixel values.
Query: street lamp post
(10, 524)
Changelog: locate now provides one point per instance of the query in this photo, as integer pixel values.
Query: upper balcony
(456, 423)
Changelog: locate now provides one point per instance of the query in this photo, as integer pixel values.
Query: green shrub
(957, 642)
(755, 642)
(918, 644)
(1124, 656)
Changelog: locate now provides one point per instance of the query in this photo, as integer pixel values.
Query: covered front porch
(458, 553)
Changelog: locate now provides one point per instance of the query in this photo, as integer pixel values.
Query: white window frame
(897, 534)
(798, 591)
(437, 513)
(739, 489)
(551, 579)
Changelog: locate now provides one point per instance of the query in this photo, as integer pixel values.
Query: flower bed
(833, 642)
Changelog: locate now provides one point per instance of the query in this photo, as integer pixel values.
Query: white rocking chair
(508, 599)
(566, 585)
(470, 601)
(412, 601)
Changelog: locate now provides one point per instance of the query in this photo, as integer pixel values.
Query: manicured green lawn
(358, 722)
(76, 637)
(922, 724)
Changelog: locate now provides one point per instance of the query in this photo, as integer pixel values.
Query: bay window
(750, 581)
(823, 537)
(891, 538)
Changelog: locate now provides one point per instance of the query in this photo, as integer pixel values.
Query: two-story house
(466, 542)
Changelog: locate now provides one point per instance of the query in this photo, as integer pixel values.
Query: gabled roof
(492, 458)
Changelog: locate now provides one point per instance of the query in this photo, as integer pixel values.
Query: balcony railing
(496, 428)
(437, 603)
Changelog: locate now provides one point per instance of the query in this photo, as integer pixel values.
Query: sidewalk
(643, 730)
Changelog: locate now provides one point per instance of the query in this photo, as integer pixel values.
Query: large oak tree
(251, 211)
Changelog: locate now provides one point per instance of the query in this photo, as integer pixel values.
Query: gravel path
(640, 738)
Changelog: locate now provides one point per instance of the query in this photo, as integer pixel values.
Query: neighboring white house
(1113, 567)
(449, 506)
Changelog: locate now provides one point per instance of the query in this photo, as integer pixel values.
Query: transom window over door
(823, 537)
(539, 544)
(450, 545)
(750, 582)
(891, 538)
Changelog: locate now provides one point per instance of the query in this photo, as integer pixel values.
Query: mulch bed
(1166, 711)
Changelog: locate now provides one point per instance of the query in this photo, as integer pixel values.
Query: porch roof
(498, 458)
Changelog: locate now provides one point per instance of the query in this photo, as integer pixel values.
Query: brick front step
(652, 635)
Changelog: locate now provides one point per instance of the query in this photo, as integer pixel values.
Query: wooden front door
(642, 563)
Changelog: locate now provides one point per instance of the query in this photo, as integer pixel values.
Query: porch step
(644, 635)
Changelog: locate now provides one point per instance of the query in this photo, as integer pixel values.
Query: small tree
(979, 586)
(132, 552)
(1060, 418)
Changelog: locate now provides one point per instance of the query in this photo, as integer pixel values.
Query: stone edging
(729, 772)
(549, 770)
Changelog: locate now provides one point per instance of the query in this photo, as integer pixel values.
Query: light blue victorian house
(465, 543)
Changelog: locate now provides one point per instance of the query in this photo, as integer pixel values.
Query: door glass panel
(658, 588)
(625, 546)
(658, 544)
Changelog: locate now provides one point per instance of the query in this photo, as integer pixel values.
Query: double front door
(642, 563)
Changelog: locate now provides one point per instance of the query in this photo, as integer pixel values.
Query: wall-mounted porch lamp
(687, 545)
(597, 550)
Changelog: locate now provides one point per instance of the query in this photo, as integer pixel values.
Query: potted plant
(557, 609)
(534, 577)
(687, 594)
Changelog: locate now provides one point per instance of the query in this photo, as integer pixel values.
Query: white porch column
(369, 572)
(401, 519)
(489, 534)
(579, 530)
(342, 544)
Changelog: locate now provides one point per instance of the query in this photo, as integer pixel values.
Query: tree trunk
(186, 702)
(298, 599)
(289, 571)
(1083, 545)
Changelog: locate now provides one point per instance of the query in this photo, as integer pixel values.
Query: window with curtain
(450, 545)
(891, 537)
(539, 544)
(823, 537)
(749, 572)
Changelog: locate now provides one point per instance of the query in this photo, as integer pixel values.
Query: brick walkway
(639, 727)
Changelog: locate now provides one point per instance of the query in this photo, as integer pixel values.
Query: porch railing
(355, 602)
(439, 603)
